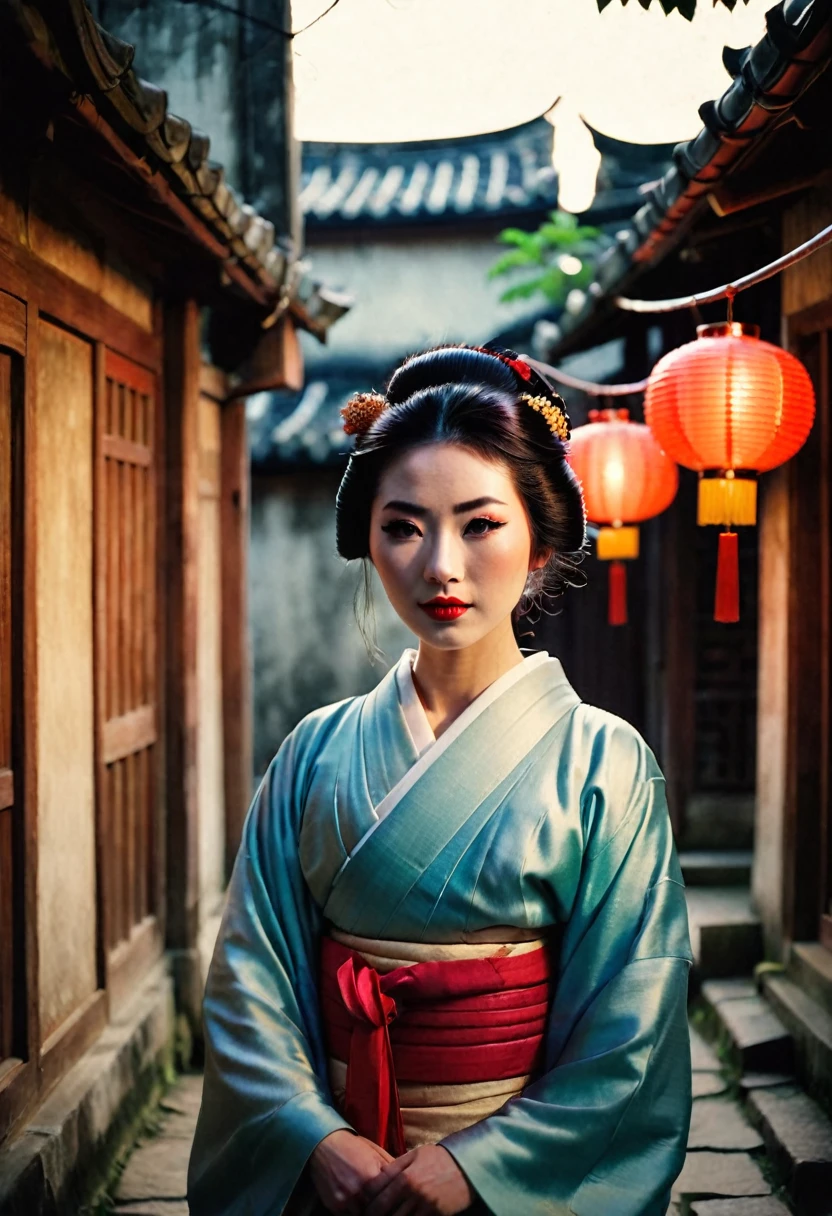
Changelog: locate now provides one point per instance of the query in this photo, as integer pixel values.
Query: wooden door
(18, 1005)
(10, 1021)
(126, 686)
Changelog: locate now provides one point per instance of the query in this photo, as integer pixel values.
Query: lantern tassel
(618, 594)
(727, 599)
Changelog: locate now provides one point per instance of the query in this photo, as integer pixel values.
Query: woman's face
(451, 541)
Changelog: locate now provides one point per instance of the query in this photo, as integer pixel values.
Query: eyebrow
(412, 508)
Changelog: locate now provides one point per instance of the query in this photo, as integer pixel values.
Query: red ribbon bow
(371, 1103)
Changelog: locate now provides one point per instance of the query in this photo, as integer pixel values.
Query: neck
(447, 681)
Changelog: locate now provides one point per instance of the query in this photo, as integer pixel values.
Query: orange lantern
(626, 478)
(729, 406)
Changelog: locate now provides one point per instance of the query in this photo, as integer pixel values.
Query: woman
(452, 971)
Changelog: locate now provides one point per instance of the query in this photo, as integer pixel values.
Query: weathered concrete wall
(191, 52)
(307, 647)
(66, 788)
(412, 293)
(229, 74)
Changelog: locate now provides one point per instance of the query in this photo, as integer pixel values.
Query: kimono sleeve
(605, 1128)
(266, 1102)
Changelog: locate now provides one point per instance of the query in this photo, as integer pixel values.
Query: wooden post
(236, 646)
(182, 368)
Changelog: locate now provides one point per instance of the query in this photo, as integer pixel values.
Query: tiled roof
(287, 430)
(172, 157)
(769, 81)
(498, 174)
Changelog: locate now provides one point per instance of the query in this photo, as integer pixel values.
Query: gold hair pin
(553, 415)
(361, 411)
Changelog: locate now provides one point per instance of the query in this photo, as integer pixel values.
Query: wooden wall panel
(235, 506)
(807, 283)
(66, 819)
(210, 778)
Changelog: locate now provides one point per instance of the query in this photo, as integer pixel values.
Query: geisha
(452, 970)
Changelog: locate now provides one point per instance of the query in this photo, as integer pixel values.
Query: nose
(443, 563)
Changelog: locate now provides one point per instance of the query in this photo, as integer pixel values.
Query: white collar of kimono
(420, 729)
(427, 746)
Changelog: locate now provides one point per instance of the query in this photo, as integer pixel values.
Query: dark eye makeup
(403, 529)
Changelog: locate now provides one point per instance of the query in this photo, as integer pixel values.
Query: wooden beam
(236, 645)
(182, 372)
(12, 324)
(24, 275)
(126, 450)
(129, 733)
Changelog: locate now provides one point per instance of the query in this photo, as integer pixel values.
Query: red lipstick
(441, 608)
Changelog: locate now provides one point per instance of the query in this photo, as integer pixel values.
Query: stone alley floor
(722, 1174)
(154, 1180)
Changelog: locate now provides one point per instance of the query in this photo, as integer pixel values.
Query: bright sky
(387, 70)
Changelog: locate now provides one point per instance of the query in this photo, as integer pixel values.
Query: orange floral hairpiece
(361, 411)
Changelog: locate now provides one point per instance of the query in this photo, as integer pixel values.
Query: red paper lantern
(729, 406)
(626, 478)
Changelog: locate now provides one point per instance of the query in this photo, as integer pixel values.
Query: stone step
(755, 1038)
(798, 1139)
(709, 1175)
(713, 868)
(725, 933)
(810, 966)
(811, 1029)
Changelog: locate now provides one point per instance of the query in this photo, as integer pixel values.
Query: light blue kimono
(537, 812)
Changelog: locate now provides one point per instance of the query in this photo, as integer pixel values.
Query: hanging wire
(222, 7)
(585, 386)
(729, 290)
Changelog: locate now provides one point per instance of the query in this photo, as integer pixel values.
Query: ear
(539, 560)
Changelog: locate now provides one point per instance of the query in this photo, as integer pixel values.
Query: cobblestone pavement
(721, 1176)
(154, 1181)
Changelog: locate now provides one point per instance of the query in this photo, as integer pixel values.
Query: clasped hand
(354, 1177)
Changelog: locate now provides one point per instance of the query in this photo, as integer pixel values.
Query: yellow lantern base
(727, 500)
(617, 544)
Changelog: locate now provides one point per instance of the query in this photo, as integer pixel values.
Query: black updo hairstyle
(456, 394)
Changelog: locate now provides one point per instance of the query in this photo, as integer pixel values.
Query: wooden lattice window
(126, 645)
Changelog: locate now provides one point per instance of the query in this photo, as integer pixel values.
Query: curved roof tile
(502, 172)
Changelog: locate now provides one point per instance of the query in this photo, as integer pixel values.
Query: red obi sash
(440, 1023)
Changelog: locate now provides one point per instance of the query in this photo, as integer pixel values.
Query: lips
(441, 609)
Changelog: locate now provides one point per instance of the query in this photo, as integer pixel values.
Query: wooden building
(128, 270)
(756, 183)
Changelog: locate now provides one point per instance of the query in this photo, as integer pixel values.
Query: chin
(449, 635)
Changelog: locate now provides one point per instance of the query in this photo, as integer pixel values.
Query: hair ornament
(517, 365)
(361, 411)
(553, 415)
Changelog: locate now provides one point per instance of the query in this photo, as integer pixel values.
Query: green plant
(686, 7)
(558, 257)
